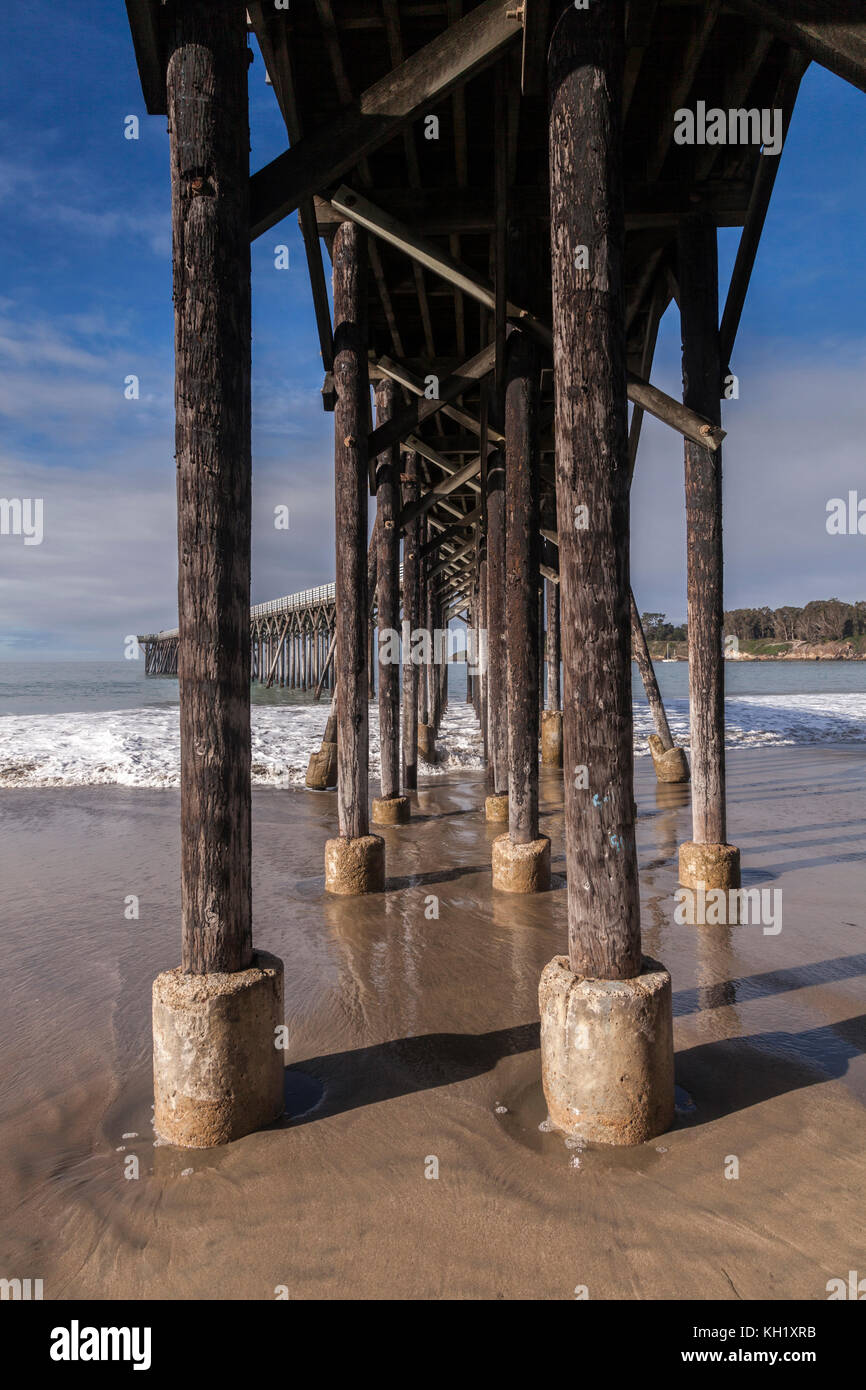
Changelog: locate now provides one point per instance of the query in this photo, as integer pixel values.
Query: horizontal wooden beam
(452, 209)
(831, 32)
(320, 158)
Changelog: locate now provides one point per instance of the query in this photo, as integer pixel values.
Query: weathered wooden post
(542, 639)
(426, 731)
(669, 761)
(606, 1020)
(481, 645)
(355, 861)
(389, 808)
(411, 548)
(707, 859)
(551, 718)
(521, 858)
(470, 679)
(496, 805)
(217, 1073)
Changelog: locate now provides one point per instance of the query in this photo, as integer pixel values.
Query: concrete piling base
(217, 1074)
(709, 866)
(607, 1053)
(322, 768)
(391, 810)
(671, 764)
(355, 866)
(551, 738)
(496, 807)
(427, 743)
(521, 868)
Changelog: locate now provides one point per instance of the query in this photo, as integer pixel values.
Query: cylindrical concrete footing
(496, 807)
(521, 868)
(390, 810)
(671, 764)
(551, 738)
(607, 1053)
(322, 768)
(217, 1073)
(709, 866)
(427, 743)
(355, 866)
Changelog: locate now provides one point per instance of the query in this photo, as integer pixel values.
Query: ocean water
(92, 723)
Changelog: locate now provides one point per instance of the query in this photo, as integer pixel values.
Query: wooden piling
(350, 473)
(423, 570)
(483, 627)
(585, 63)
(388, 598)
(554, 655)
(497, 650)
(699, 310)
(411, 546)
(206, 86)
(641, 654)
(521, 582)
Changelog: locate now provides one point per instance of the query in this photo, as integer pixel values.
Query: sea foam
(141, 747)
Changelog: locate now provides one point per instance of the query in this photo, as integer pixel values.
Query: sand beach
(414, 1038)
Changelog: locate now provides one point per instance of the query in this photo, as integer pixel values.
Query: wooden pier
(509, 210)
(291, 642)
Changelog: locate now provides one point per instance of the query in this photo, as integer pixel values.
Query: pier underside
(510, 197)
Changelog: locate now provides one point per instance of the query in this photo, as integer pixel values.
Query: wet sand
(415, 1039)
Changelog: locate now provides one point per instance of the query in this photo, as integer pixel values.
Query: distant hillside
(826, 629)
(765, 649)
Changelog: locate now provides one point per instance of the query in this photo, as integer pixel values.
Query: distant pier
(291, 641)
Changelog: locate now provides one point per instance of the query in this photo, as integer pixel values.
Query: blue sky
(85, 300)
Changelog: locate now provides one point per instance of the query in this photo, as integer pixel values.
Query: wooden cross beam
(533, 66)
(413, 443)
(381, 112)
(786, 95)
(398, 371)
(455, 556)
(439, 490)
(677, 91)
(832, 32)
(452, 209)
(284, 90)
(408, 420)
(359, 209)
(451, 533)
(144, 16)
(655, 402)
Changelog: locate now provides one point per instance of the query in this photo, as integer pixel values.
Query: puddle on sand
(523, 1115)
